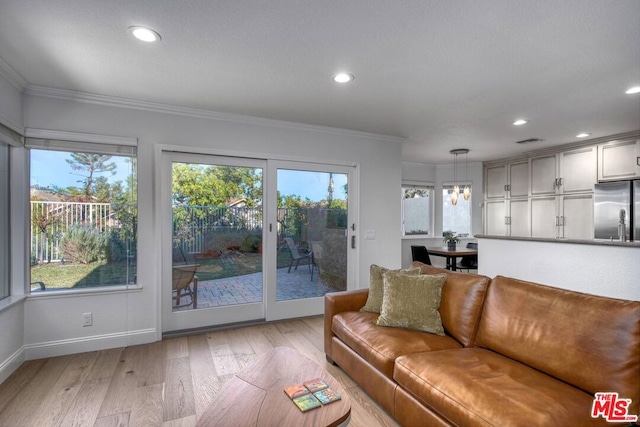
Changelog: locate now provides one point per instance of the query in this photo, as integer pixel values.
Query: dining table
(452, 255)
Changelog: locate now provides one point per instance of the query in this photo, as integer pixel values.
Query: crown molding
(79, 137)
(564, 147)
(12, 76)
(112, 101)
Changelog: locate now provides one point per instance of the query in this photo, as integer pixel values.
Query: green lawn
(56, 275)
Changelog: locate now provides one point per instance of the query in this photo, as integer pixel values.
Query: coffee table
(255, 396)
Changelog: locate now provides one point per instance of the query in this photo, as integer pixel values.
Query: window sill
(9, 302)
(418, 237)
(62, 293)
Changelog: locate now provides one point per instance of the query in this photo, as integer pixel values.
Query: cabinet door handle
(638, 161)
(505, 187)
(506, 220)
(559, 182)
(557, 221)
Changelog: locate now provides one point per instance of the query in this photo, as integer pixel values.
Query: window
(417, 209)
(456, 218)
(83, 199)
(4, 220)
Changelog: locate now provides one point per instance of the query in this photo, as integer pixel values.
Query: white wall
(611, 271)
(10, 103)
(53, 323)
(11, 309)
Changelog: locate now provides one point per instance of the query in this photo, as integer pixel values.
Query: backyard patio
(248, 288)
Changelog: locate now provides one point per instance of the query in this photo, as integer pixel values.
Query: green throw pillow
(412, 302)
(374, 300)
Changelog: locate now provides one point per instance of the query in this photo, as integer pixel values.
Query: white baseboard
(92, 343)
(9, 366)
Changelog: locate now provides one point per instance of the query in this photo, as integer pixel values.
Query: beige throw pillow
(374, 300)
(412, 302)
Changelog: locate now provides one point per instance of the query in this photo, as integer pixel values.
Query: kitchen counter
(580, 242)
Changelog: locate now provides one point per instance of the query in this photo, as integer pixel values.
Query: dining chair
(420, 254)
(469, 262)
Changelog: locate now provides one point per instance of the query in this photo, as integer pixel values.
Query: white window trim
(448, 185)
(418, 184)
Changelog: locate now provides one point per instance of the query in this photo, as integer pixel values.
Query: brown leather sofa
(515, 354)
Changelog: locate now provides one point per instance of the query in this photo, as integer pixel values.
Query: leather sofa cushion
(461, 304)
(380, 345)
(477, 387)
(588, 341)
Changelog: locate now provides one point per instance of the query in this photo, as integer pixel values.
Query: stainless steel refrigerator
(616, 211)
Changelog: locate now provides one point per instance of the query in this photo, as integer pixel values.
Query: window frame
(448, 186)
(419, 185)
(92, 144)
(5, 235)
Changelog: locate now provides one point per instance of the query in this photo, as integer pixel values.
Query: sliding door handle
(353, 242)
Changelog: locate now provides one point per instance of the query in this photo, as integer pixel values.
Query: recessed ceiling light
(343, 78)
(519, 122)
(145, 34)
(632, 90)
(583, 135)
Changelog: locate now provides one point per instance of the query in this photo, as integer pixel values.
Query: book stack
(311, 394)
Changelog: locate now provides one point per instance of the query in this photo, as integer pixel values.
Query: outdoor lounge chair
(183, 276)
(297, 256)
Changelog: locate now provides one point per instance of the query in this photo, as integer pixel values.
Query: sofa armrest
(338, 302)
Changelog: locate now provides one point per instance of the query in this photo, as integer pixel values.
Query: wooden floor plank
(177, 348)
(53, 408)
(105, 363)
(17, 381)
(146, 409)
(169, 384)
(124, 382)
(153, 369)
(206, 383)
(85, 408)
(21, 411)
(178, 393)
(115, 420)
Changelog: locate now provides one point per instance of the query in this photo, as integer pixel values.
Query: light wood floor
(167, 383)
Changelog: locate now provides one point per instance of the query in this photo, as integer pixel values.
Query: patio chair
(183, 276)
(297, 256)
(316, 255)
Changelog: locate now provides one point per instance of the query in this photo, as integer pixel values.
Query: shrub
(84, 244)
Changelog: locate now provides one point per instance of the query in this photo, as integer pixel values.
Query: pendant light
(466, 193)
(467, 189)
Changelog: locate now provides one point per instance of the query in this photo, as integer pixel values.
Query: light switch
(369, 234)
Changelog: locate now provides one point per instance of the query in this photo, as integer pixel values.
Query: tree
(92, 165)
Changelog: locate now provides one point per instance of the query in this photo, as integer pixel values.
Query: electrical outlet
(87, 319)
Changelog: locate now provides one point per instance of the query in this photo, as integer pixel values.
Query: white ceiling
(443, 74)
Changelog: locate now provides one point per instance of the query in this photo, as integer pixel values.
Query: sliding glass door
(311, 229)
(249, 239)
(213, 235)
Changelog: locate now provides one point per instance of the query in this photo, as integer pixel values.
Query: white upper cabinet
(572, 171)
(508, 180)
(578, 170)
(544, 175)
(518, 185)
(495, 178)
(619, 160)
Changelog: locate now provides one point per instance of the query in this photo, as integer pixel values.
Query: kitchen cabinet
(507, 217)
(562, 217)
(507, 180)
(619, 160)
(576, 217)
(544, 218)
(571, 171)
